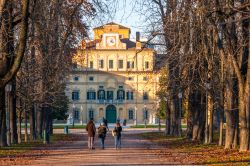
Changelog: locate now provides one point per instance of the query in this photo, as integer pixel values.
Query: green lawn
(61, 126)
(25, 147)
(70, 126)
(153, 126)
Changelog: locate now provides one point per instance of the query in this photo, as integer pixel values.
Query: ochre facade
(113, 77)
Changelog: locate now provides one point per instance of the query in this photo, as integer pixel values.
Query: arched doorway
(111, 114)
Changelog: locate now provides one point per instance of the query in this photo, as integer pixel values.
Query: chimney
(138, 43)
(137, 36)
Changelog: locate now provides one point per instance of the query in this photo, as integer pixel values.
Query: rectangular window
(130, 95)
(145, 95)
(91, 113)
(75, 95)
(91, 78)
(145, 78)
(91, 95)
(91, 64)
(111, 65)
(146, 65)
(130, 64)
(145, 114)
(76, 114)
(120, 66)
(101, 64)
(130, 114)
(110, 95)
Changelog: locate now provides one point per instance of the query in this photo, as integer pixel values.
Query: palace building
(113, 77)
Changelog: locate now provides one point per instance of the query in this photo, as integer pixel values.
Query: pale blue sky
(124, 13)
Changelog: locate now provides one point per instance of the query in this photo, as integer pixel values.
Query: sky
(124, 13)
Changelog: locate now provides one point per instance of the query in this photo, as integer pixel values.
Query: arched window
(101, 94)
(130, 114)
(120, 94)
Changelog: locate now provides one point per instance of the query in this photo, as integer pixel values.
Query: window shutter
(127, 95)
(132, 96)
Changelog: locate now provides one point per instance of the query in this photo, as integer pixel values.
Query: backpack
(101, 132)
(114, 132)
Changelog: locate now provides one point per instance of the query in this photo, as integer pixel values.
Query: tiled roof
(112, 23)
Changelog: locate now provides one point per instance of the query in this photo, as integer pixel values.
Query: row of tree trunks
(198, 115)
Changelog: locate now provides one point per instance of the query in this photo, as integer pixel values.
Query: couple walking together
(102, 131)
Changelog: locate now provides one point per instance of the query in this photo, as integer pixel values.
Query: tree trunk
(210, 119)
(236, 129)
(3, 130)
(46, 126)
(32, 123)
(198, 114)
(19, 126)
(189, 118)
(244, 131)
(13, 115)
(173, 120)
(25, 126)
(167, 129)
(50, 123)
(39, 122)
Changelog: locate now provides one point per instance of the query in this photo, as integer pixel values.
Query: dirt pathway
(135, 151)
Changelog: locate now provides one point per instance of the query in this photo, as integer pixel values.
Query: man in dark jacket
(91, 133)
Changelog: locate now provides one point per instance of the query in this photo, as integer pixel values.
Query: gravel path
(135, 151)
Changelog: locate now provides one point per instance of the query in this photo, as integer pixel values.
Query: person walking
(91, 133)
(102, 130)
(116, 132)
(105, 121)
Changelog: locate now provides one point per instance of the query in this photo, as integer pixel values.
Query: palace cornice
(83, 71)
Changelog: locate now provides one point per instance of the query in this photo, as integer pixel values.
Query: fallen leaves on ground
(194, 152)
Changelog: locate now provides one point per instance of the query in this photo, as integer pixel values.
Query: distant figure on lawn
(117, 135)
(102, 130)
(91, 133)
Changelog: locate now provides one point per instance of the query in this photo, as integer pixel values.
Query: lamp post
(180, 111)
(73, 114)
(8, 89)
(145, 115)
(81, 115)
(135, 121)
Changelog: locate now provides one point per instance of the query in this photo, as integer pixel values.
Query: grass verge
(195, 152)
(26, 147)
